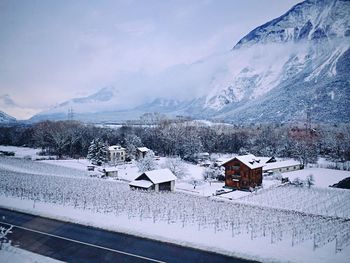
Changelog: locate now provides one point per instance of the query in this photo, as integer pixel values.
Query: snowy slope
(106, 99)
(5, 118)
(309, 20)
(280, 68)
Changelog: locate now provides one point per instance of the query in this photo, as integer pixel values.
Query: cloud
(136, 28)
(52, 52)
(10, 107)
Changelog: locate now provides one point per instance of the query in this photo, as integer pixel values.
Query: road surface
(78, 243)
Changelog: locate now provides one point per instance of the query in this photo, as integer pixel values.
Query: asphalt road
(78, 243)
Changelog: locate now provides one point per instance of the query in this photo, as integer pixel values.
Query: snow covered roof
(249, 160)
(160, 176)
(110, 169)
(143, 149)
(264, 159)
(281, 164)
(141, 183)
(115, 147)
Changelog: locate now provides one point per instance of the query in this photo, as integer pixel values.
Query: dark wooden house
(243, 172)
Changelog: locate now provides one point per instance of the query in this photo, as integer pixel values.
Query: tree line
(186, 138)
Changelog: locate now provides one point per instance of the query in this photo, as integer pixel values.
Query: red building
(243, 172)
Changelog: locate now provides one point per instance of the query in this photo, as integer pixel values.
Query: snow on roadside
(243, 246)
(10, 254)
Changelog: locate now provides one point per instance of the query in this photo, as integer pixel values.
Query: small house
(202, 157)
(110, 171)
(91, 167)
(243, 172)
(282, 166)
(116, 154)
(141, 152)
(157, 180)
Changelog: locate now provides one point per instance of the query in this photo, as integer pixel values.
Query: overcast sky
(52, 50)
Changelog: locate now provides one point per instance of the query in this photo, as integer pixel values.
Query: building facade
(116, 154)
(243, 172)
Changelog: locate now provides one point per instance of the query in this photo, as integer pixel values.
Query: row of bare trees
(184, 139)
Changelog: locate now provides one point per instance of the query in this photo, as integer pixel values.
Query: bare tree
(176, 166)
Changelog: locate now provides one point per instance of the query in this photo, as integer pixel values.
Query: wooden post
(232, 229)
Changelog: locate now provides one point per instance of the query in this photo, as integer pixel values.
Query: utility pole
(70, 114)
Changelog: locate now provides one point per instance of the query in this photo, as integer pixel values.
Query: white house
(282, 166)
(116, 153)
(157, 180)
(141, 152)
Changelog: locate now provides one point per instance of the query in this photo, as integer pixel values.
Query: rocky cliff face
(309, 20)
(296, 61)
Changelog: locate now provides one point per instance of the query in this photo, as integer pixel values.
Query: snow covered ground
(79, 164)
(38, 167)
(242, 243)
(10, 254)
(323, 177)
(233, 227)
(274, 224)
(21, 152)
(318, 201)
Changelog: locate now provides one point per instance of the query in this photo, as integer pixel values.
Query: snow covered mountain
(104, 100)
(297, 61)
(309, 20)
(6, 119)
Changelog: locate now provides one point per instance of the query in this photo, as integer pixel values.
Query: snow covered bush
(310, 181)
(3, 235)
(277, 176)
(147, 163)
(213, 173)
(298, 182)
(176, 166)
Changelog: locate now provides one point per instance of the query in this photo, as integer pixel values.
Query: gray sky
(51, 51)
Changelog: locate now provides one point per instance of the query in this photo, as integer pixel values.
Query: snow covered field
(38, 167)
(25, 152)
(274, 224)
(319, 201)
(323, 177)
(21, 152)
(229, 227)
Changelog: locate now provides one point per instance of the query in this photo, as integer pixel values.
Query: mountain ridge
(6, 118)
(279, 70)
